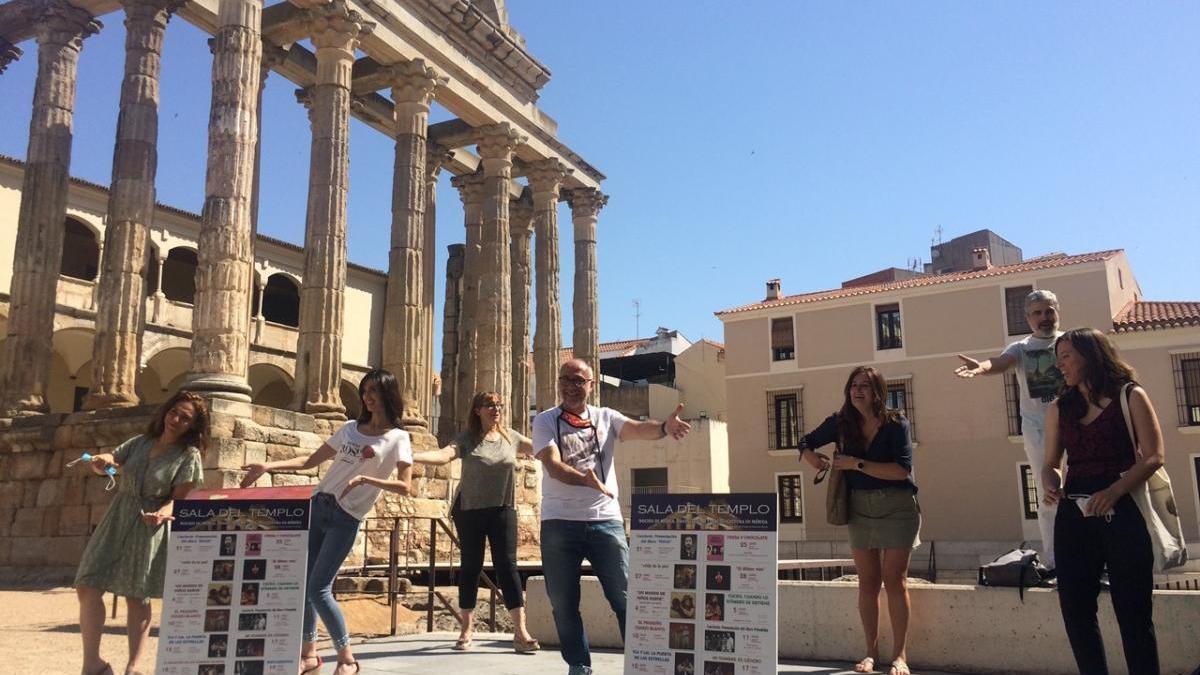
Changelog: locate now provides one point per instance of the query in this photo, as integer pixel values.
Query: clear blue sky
(809, 141)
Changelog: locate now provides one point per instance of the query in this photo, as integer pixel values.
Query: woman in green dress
(126, 555)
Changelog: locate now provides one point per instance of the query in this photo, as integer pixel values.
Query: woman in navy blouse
(875, 450)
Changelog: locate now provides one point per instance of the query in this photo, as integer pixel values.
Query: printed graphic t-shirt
(360, 454)
(1037, 376)
(582, 448)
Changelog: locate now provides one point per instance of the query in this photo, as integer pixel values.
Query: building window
(1187, 387)
(80, 252)
(791, 498)
(900, 397)
(650, 481)
(1012, 403)
(1029, 497)
(887, 327)
(80, 396)
(783, 340)
(1014, 309)
(785, 419)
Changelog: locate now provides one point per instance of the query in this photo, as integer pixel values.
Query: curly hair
(197, 435)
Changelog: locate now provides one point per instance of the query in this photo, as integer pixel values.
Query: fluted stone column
(451, 421)
(336, 31)
(470, 190)
(37, 256)
(120, 317)
(8, 53)
(585, 207)
(521, 219)
(271, 57)
(493, 323)
(221, 318)
(435, 158)
(413, 86)
(545, 179)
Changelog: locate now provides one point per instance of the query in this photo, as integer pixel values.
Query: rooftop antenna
(914, 264)
(937, 235)
(637, 318)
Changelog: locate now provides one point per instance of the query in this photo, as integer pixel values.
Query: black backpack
(1019, 567)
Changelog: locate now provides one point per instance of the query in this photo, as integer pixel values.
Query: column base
(101, 401)
(228, 387)
(325, 412)
(30, 406)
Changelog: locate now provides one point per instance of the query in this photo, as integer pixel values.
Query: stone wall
(47, 510)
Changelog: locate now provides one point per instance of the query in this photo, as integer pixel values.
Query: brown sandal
(314, 669)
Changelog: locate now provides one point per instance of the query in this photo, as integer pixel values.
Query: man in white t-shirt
(1039, 381)
(581, 517)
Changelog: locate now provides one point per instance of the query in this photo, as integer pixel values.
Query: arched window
(281, 301)
(179, 275)
(81, 252)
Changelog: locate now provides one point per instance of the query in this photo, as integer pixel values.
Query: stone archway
(81, 251)
(179, 275)
(70, 369)
(281, 300)
(270, 385)
(163, 373)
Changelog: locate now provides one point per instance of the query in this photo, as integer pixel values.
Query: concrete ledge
(957, 628)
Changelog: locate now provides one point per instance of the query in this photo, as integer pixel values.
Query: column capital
(152, 10)
(436, 159)
(8, 53)
(335, 25)
(496, 144)
(470, 187)
(586, 202)
(414, 82)
(62, 23)
(545, 178)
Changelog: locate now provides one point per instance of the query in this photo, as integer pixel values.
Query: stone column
(521, 217)
(470, 190)
(160, 298)
(37, 255)
(493, 317)
(413, 86)
(8, 53)
(585, 207)
(451, 421)
(435, 158)
(336, 31)
(221, 317)
(545, 179)
(272, 56)
(120, 318)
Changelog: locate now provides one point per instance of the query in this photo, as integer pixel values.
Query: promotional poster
(702, 585)
(234, 596)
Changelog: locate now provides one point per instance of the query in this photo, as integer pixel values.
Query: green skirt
(886, 518)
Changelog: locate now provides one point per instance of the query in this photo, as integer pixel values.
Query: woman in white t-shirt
(365, 452)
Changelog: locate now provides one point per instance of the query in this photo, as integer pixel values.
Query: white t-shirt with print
(581, 449)
(359, 454)
(1037, 374)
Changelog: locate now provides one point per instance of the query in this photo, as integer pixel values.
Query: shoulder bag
(1156, 500)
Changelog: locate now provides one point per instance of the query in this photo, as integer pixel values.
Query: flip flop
(462, 645)
(525, 646)
(899, 667)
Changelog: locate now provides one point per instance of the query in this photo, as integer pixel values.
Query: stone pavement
(429, 653)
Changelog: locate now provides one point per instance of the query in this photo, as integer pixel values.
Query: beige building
(788, 358)
(170, 298)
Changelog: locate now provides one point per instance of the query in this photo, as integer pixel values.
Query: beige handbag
(1156, 500)
(837, 497)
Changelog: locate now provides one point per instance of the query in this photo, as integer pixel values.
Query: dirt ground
(39, 629)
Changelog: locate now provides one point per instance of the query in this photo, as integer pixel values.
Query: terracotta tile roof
(1033, 264)
(1144, 315)
(626, 347)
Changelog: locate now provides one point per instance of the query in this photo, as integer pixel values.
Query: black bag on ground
(1020, 568)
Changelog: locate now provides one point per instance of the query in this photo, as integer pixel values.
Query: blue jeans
(331, 535)
(565, 544)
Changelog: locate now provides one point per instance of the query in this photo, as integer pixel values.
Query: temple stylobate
(384, 63)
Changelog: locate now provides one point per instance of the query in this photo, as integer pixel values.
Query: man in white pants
(1039, 381)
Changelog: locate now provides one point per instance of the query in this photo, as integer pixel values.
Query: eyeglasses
(575, 381)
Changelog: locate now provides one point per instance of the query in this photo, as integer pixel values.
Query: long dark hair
(850, 420)
(1104, 372)
(389, 389)
(474, 424)
(197, 434)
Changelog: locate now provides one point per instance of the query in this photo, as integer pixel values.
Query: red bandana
(575, 420)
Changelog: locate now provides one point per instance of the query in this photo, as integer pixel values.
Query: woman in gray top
(484, 507)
